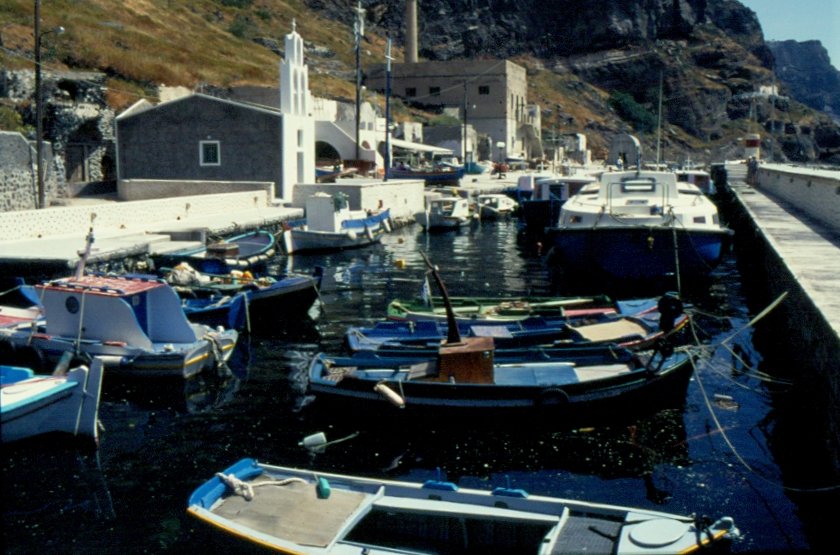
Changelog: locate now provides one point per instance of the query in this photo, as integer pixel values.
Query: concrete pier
(796, 251)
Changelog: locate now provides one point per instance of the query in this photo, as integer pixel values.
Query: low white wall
(145, 189)
(75, 220)
(403, 197)
(815, 192)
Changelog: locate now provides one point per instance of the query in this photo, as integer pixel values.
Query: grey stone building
(199, 138)
(494, 92)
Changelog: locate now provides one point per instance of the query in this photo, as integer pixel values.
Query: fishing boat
(65, 402)
(135, 324)
(639, 327)
(441, 176)
(305, 511)
(495, 206)
(19, 305)
(444, 213)
(639, 226)
(332, 226)
(699, 178)
(541, 208)
(506, 309)
(464, 378)
(239, 300)
(247, 251)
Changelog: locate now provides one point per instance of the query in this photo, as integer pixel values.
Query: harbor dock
(790, 221)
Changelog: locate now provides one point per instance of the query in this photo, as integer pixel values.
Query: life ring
(552, 398)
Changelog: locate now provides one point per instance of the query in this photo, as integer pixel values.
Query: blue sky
(801, 20)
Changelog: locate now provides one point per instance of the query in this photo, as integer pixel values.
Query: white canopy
(419, 147)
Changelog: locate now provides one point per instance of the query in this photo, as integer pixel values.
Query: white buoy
(314, 441)
(390, 395)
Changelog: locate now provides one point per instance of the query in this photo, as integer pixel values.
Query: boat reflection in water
(632, 449)
(51, 483)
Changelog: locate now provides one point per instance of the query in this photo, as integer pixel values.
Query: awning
(419, 147)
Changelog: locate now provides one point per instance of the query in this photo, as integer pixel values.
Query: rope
(222, 368)
(246, 490)
(318, 293)
(677, 250)
(758, 317)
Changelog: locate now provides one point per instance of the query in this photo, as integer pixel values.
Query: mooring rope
(246, 490)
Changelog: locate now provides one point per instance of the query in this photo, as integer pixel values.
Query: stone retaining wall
(76, 220)
(19, 173)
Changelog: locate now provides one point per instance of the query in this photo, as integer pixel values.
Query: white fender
(389, 395)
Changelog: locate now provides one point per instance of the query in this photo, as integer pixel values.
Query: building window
(210, 153)
(434, 91)
(484, 89)
(300, 138)
(410, 91)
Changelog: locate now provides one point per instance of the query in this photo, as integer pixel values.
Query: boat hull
(52, 404)
(299, 240)
(559, 400)
(300, 511)
(638, 253)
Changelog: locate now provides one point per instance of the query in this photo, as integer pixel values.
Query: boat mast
(659, 122)
(453, 335)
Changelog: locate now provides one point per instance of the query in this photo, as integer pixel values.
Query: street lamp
(39, 109)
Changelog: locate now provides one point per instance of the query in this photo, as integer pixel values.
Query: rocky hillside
(594, 65)
(806, 71)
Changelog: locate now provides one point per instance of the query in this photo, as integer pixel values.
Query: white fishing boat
(305, 511)
(495, 206)
(67, 401)
(444, 212)
(134, 324)
(639, 225)
(331, 226)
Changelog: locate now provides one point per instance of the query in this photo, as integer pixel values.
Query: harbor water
(746, 443)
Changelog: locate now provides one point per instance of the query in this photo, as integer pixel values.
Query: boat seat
(293, 512)
(422, 370)
(609, 331)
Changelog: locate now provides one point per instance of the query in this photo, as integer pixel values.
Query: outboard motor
(670, 307)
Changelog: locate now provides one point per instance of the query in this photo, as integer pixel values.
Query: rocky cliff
(806, 70)
(594, 66)
(710, 55)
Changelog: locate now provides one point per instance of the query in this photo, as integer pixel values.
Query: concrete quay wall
(120, 217)
(796, 256)
(147, 189)
(815, 192)
(403, 197)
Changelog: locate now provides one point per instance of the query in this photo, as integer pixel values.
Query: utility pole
(39, 105)
(387, 111)
(358, 32)
(39, 110)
